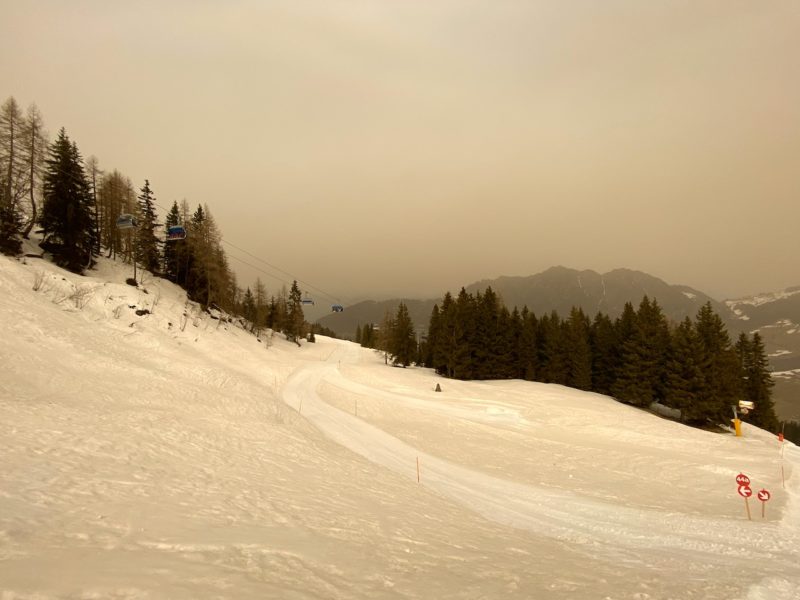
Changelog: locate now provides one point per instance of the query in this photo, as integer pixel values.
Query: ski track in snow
(559, 514)
(159, 456)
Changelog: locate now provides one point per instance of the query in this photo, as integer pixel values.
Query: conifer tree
(685, 382)
(402, 345)
(722, 372)
(146, 240)
(12, 166)
(509, 329)
(579, 355)
(605, 353)
(10, 229)
(294, 317)
(66, 216)
(368, 336)
(173, 249)
(261, 305)
(553, 356)
(249, 308)
(385, 333)
(757, 382)
(358, 334)
(33, 153)
(526, 346)
(10, 177)
(115, 196)
(443, 338)
(640, 378)
(483, 338)
(464, 336)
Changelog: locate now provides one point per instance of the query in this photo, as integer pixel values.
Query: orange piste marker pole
(418, 469)
(747, 506)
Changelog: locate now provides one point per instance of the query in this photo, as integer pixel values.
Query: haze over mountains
(557, 288)
(774, 315)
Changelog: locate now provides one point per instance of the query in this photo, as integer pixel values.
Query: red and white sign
(745, 491)
(742, 479)
(763, 495)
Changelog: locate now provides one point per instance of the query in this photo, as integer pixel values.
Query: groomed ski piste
(149, 449)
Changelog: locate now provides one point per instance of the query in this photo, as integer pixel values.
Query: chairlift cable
(305, 283)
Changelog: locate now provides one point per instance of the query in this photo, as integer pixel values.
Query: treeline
(638, 358)
(283, 312)
(76, 205)
(395, 337)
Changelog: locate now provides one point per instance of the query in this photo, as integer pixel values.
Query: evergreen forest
(75, 206)
(639, 358)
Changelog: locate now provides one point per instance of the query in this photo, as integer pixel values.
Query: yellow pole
(737, 425)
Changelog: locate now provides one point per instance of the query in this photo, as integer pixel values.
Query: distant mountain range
(776, 316)
(557, 288)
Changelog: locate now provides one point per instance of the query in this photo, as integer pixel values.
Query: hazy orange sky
(407, 147)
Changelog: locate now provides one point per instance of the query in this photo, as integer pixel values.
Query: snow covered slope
(776, 316)
(148, 450)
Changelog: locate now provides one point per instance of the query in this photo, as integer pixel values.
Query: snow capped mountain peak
(763, 298)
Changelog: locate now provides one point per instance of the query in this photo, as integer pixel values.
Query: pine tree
(509, 330)
(12, 165)
(483, 339)
(358, 334)
(464, 327)
(115, 196)
(66, 215)
(526, 346)
(368, 336)
(605, 353)
(33, 153)
(295, 318)
(262, 306)
(757, 381)
(384, 336)
(146, 240)
(443, 341)
(578, 350)
(722, 373)
(11, 177)
(173, 249)
(402, 345)
(249, 308)
(640, 376)
(685, 381)
(553, 350)
(10, 229)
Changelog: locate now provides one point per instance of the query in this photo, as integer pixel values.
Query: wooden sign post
(763, 495)
(745, 491)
